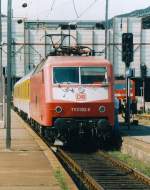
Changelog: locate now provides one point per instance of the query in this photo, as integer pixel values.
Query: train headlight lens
(58, 109)
(102, 109)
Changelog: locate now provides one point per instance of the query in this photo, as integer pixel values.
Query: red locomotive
(68, 96)
(120, 93)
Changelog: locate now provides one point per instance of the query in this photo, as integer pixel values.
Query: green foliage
(61, 179)
(136, 164)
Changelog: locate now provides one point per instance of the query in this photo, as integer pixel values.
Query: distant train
(67, 97)
(121, 93)
(120, 89)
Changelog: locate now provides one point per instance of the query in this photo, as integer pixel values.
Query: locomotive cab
(68, 96)
(81, 97)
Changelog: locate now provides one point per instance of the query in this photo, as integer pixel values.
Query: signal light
(127, 48)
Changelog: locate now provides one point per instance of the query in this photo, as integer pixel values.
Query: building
(30, 44)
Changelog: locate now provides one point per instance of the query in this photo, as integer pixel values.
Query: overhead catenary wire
(52, 5)
(74, 6)
(78, 16)
(89, 7)
(85, 10)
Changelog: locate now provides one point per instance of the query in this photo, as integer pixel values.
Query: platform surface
(136, 141)
(139, 132)
(28, 165)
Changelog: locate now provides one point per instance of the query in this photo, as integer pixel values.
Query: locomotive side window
(65, 75)
(93, 75)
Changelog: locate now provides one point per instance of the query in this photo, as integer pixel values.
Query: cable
(52, 5)
(74, 6)
(78, 16)
(89, 7)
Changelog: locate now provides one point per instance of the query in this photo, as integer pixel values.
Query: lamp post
(106, 27)
(9, 63)
(143, 76)
(9, 38)
(1, 68)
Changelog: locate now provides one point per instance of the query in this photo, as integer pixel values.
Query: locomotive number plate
(81, 109)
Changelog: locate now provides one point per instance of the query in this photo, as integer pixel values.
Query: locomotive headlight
(102, 109)
(58, 109)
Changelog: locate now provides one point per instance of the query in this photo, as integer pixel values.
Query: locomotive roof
(73, 60)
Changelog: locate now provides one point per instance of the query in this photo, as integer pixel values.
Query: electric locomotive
(67, 97)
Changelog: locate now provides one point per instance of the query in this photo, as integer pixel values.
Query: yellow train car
(21, 95)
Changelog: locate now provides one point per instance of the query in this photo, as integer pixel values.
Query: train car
(68, 96)
(120, 89)
(120, 93)
(21, 95)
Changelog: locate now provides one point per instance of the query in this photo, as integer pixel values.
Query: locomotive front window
(65, 75)
(93, 75)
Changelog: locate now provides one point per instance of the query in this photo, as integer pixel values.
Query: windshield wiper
(69, 82)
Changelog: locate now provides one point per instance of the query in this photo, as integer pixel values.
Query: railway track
(98, 171)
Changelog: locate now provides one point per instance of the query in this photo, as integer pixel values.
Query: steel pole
(1, 68)
(127, 114)
(9, 38)
(143, 94)
(106, 28)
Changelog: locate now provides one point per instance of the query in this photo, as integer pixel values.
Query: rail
(99, 174)
(136, 174)
(88, 181)
(101, 171)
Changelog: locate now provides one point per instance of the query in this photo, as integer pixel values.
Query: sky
(66, 10)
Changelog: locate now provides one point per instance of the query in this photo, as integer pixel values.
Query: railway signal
(127, 48)
(127, 57)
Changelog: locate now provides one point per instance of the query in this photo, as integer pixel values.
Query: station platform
(29, 164)
(136, 141)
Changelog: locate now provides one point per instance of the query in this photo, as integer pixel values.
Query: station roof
(143, 13)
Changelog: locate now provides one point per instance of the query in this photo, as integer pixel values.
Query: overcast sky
(64, 9)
